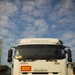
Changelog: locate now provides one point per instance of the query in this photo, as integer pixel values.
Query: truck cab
(39, 56)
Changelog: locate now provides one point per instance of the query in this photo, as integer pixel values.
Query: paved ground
(5, 70)
(4, 73)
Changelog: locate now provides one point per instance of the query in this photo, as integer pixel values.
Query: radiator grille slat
(39, 73)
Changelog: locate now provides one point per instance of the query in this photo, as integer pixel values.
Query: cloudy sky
(36, 18)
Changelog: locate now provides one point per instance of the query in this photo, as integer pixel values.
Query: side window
(17, 53)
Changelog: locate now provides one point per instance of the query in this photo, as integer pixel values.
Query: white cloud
(27, 18)
(29, 3)
(38, 13)
(37, 29)
(62, 13)
(41, 1)
(69, 39)
(4, 17)
(71, 42)
(40, 22)
(7, 25)
(68, 4)
(41, 25)
(7, 8)
(68, 35)
(53, 26)
(28, 6)
(4, 32)
(73, 49)
(42, 4)
(65, 7)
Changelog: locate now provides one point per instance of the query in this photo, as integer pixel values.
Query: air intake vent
(55, 72)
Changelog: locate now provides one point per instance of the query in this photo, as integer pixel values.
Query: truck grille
(41, 73)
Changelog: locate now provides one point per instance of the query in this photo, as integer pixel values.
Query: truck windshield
(40, 51)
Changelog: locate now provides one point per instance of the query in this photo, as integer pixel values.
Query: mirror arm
(13, 47)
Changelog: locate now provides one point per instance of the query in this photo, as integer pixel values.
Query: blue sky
(36, 18)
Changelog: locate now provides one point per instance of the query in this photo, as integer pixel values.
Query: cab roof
(30, 41)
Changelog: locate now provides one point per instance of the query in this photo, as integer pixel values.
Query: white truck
(40, 56)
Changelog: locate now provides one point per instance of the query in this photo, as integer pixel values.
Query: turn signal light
(25, 68)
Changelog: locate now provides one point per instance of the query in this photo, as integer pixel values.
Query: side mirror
(69, 59)
(10, 52)
(69, 55)
(9, 60)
